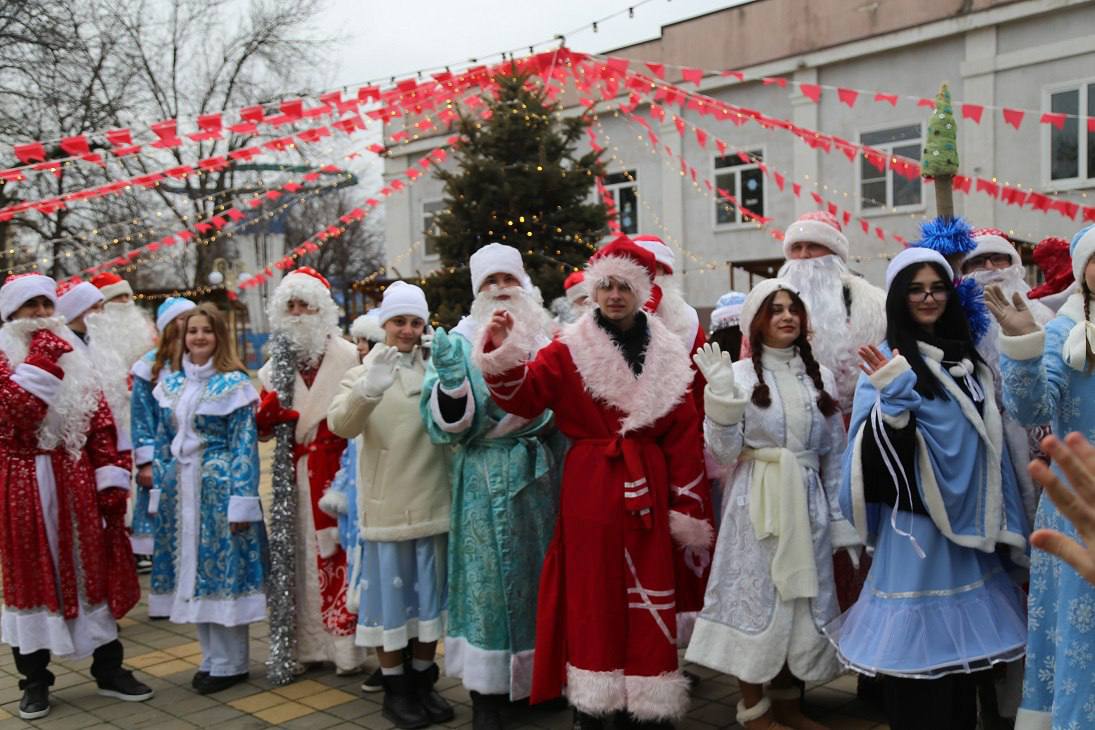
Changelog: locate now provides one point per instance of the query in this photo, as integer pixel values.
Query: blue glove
(448, 360)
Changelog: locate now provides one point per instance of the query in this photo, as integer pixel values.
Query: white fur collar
(662, 384)
(1073, 308)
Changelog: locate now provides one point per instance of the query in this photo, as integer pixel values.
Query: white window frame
(614, 190)
(746, 223)
(422, 227)
(1071, 183)
(887, 209)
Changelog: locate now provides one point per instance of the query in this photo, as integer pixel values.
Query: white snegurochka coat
(745, 629)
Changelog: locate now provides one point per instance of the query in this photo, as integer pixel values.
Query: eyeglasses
(936, 294)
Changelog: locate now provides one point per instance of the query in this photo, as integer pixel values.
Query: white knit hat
(367, 326)
(662, 253)
(912, 256)
(1082, 249)
(989, 241)
(758, 294)
(21, 288)
(75, 299)
(817, 226)
(401, 298)
(497, 258)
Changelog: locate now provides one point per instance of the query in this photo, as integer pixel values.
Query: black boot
(37, 680)
(583, 721)
(486, 711)
(437, 709)
(401, 704)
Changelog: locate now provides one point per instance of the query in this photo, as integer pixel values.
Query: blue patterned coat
(207, 466)
(143, 418)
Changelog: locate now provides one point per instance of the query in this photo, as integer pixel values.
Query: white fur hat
(1082, 248)
(756, 297)
(73, 299)
(305, 284)
(21, 288)
(111, 285)
(912, 256)
(989, 241)
(497, 258)
(401, 298)
(662, 253)
(368, 327)
(817, 226)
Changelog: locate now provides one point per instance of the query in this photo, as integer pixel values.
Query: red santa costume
(325, 628)
(633, 484)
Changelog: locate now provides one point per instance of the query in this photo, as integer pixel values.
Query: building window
(430, 208)
(881, 190)
(740, 177)
(1072, 150)
(624, 189)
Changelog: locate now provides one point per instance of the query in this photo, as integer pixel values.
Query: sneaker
(212, 684)
(124, 686)
(144, 564)
(199, 677)
(35, 702)
(375, 682)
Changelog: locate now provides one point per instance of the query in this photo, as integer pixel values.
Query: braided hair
(762, 395)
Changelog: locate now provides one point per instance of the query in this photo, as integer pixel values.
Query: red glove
(271, 413)
(112, 505)
(48, 345)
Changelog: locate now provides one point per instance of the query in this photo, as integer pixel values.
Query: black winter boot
(584, 721)
(437, 709)
(401, 704)
(486, 711)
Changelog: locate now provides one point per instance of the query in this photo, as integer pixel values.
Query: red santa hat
(624, 261)
(575, 286)
(756, 297)
(21, 288)
(111, 285)
(1052, 256)
(662, 253)
(76, 297)
(497, 258)
(817, 226)
(304, 284)
(988, 241)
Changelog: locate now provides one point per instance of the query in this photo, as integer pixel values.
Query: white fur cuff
(889, 372)
(596, 693)
(657, 699)
(36, 381)
(842, 535)
(244, 509)
(757, 711)
(689, 531)
(327, 541)
(502, 359)
(725, 410)
(1023, 347)
(143, 455)
(109, 476)
(334, 503)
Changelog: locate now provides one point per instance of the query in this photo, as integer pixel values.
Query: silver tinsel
(281, 586)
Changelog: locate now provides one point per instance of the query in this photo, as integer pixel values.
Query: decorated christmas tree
(519, 180)
(940, 159)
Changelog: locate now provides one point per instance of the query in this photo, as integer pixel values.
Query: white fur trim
(724, 410)
(19, 290)
(596, 693)
(757, 711)
(395, 639)
(154, 500)
(898, 422)
(462, 391)
(168, 316)
(815, 231)
(662, 253)
(406, 532)
(368, 327)
(304, 287)
(690, 531)
(244, 509)
(110, 476)
(77, 300)
(327, 541)
(1082, 253)
(756, 297)
(142, 369)
(497, 258)
(990, 243)
(659, 699)
(859, 501)
(144, 455)
(890, 372)
(1023, 347)
(334, 503)
(489, 671)
(117, 289)
(912, 256)
(40, 383)
(517, 349)
(1033, 720)
(667, 371)
(621, 268)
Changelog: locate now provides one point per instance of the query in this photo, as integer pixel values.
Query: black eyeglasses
(936, 294)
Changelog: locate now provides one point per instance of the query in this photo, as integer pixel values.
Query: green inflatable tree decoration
(519, 180)
(939, 161)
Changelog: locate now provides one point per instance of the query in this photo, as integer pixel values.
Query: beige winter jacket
(402, 478)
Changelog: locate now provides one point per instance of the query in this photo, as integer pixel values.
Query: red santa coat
(60, 521)
(316, 456)
(632, 482)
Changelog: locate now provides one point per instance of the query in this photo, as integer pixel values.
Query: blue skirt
(403, 592)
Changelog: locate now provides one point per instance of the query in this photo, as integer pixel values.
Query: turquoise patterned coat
(143, 412)
(505, 496)
(207, 466)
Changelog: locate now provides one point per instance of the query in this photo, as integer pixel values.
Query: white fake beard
(528, 315)
(1010, 279)
(309, 334)
(672, 309)
(123, 329)
(819, 282)
(69, 414)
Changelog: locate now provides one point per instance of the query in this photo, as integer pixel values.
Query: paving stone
(355, 710)
(212, 716)
(255, 702)
(283, 713)
(327, 699)
(316, 721)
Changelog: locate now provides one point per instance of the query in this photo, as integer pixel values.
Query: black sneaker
(144, 563)
(199, 677)
(35, 702)
(211, 684)
(123, 685)
(375, 682)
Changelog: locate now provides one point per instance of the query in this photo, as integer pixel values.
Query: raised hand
(499, 327)
(873, 359)
(1076, 457)
(1014, 317)
(715, 365)
(381, 373)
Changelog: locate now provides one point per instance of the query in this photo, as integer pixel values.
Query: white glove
(716, 368)
(381, 373)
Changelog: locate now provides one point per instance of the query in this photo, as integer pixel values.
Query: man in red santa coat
(68, 573)
(633, 493)
(302, 309)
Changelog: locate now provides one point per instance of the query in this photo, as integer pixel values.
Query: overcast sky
(393, 37)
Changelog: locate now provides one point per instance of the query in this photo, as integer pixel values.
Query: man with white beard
(504, 493)
(121, 325)
(64, 552)
(302, 310)
(846, 311)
